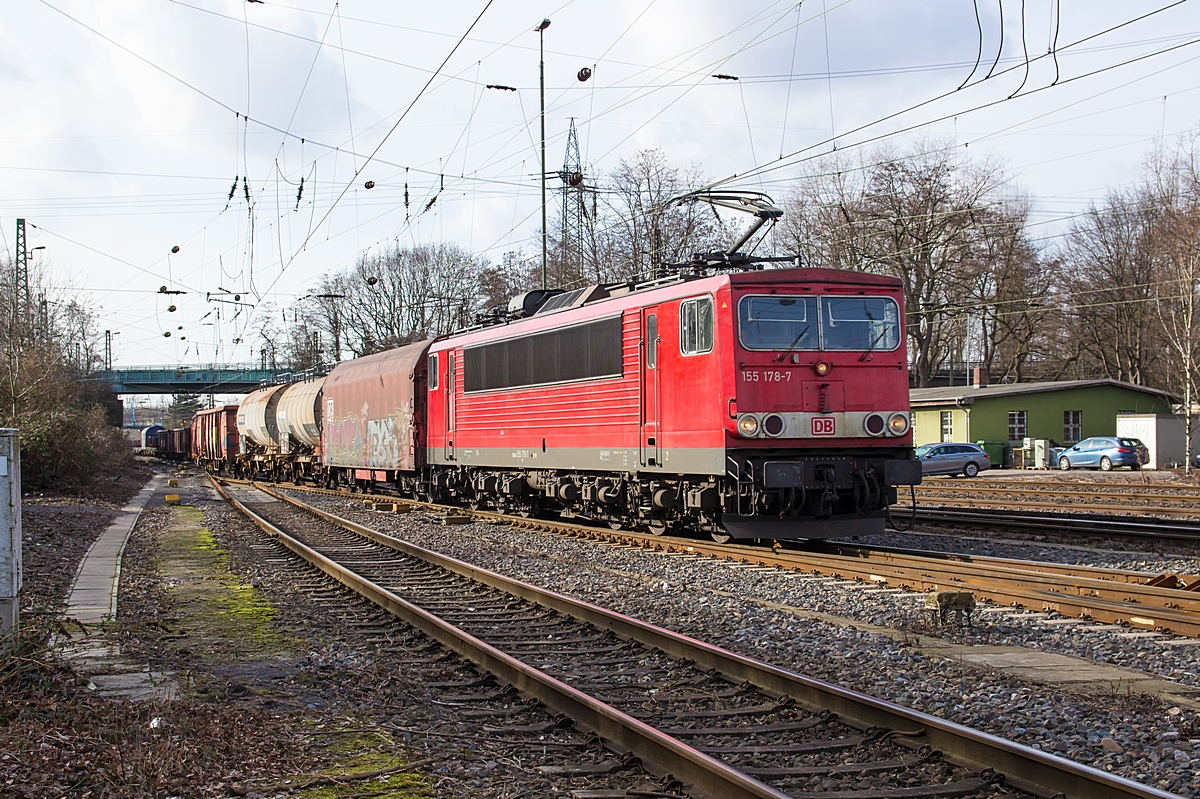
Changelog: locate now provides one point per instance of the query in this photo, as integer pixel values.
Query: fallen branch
(312, 781)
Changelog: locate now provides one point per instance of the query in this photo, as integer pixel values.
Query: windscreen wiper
(792, 346)
(863, 357)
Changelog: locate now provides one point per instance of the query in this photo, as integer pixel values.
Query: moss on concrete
(222, 615)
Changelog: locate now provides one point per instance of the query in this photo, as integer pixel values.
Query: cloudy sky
(125, 123)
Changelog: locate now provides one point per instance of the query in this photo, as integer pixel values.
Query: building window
(433, 372)
(947, 425)
(1072, 426)
(696, 326)
(1016, 426)
(582, 352)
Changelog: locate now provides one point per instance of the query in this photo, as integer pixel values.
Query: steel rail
(1075, 525)
(704, 774)
(1147, 607)
(1045, 567)
(1023, 767)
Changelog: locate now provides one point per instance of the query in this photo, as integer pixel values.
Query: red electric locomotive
(765, 404)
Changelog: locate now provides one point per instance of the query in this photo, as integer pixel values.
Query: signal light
(773, 425)
(874, 424)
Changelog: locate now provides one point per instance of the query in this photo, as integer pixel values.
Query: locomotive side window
(433, 371)
(581, 352)
(778, 323)
(696, 326)
(652, 341)
(860, 323)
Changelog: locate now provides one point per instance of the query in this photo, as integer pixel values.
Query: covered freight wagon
(215, 439)
(174, 445)
(374, 408)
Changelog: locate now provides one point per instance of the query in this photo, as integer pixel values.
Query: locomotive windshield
(860, 323)
(843, 323)
(778, 323)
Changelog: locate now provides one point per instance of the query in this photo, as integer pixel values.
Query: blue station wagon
(1104, 453)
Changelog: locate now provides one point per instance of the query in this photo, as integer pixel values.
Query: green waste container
(995, 451)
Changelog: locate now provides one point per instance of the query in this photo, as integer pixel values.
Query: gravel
(1138, 737)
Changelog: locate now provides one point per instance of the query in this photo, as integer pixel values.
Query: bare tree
(1108, 284)
(1175, 187)
(1011, 285)
(639, 228)
(922, 215)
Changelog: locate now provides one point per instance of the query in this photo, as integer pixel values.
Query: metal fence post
(10, 530)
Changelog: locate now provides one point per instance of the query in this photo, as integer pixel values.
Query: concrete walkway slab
(93, 597)
(93, 601)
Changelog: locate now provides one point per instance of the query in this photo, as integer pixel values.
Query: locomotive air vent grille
(560, 301)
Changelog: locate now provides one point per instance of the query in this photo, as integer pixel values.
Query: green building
(1064, 411)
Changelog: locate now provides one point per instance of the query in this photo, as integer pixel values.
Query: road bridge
(209, 379)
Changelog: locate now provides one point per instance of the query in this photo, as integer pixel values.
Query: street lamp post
(539, 30)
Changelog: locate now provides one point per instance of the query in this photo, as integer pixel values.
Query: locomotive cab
(819, 432)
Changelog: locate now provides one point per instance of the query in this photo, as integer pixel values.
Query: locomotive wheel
(614, 524)
(656, 526)
(721, 538)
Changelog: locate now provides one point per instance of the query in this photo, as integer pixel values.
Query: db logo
(824, 426)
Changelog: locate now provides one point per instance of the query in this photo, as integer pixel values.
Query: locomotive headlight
(822, 368)
(748, 425)
(898, 424)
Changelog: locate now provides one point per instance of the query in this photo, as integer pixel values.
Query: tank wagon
(280, 429)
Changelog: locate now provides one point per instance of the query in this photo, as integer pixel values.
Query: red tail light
(1126, 451)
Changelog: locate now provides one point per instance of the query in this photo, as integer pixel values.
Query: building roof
(966, 395)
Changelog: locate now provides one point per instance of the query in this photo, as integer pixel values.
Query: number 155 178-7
(766, 376)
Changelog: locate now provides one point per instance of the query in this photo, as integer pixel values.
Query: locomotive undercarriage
(782, 495)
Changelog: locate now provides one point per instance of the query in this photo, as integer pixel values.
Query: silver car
(948, 458)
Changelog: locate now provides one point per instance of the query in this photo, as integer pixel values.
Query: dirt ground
(285, 690)
(264, 712)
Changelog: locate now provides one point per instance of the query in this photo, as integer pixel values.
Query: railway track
(1002, 516)
(1095, 501)
(1047, 483)
(1153, 602)
(1187, 494)
(723, 724)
